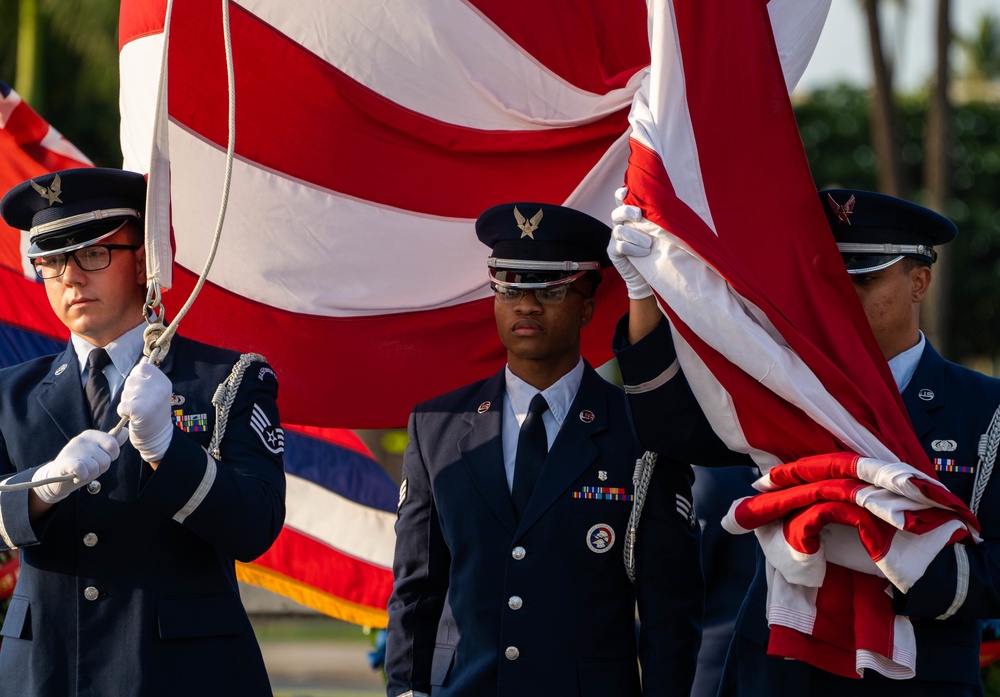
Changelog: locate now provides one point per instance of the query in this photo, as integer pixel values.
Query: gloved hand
(146, 402)
(86, 457)
(628, 242)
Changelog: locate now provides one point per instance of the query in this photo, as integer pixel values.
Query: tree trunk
(889, 167)
(26, 79)
(937, 139)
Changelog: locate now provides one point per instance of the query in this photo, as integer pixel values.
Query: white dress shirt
(560, 398)
(124, 352)
(904, 365)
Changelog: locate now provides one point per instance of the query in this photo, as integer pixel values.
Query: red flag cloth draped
(29, 146)
(369, 136)
(767, 327)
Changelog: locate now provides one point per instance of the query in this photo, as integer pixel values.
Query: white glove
(628, 242)
(146, 402)
(86, 457)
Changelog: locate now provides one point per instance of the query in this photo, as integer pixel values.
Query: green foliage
(8, 39)
(991, 680)
(981, 50)
(79, 71)
(835, 133)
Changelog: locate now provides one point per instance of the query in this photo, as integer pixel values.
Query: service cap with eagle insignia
(64, 211)
(874, 231)
(540, 244)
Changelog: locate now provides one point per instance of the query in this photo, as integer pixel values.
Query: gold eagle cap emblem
(526, 226)
(843, 212)
(50, 194)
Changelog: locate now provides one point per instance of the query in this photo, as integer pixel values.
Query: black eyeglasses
(92, 258)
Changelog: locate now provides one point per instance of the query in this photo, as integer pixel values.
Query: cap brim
(66, 241)
(518, 278)
(869, 263)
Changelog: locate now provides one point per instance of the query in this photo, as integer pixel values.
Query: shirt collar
(559, 395)
(904, 365)
(123, 351)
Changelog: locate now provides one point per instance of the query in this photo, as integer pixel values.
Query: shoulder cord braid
(223, 399)
(640, 480)
(987, 459)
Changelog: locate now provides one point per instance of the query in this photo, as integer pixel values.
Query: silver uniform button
(515, 602)
(94, 487)
(90, 593)
(90, 539)
(518, 553)
(512, 653)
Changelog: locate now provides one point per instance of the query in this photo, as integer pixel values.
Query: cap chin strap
(531, 265)
(886, 248)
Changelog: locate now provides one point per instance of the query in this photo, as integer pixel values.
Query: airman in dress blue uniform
(514, 590)
(888, 246)
(127, 544)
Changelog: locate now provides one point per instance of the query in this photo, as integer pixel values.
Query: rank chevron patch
(273, 437)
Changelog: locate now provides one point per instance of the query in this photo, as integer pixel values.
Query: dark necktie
(97, 389)
(532, 447)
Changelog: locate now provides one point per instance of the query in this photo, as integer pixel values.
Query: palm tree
(982, 50)
(937, 189)
(885, 139)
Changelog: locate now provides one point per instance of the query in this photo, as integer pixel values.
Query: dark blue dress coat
(484, 605)
(128, 587)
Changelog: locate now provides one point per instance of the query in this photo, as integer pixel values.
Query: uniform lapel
(61, 395)
(482, 448)
(168, 361)
(573, 450)
(926, 392)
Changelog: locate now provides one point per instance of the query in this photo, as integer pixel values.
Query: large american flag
(768, 328)
(369, 136)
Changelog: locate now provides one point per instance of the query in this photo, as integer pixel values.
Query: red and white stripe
(767, 326)
(369, 138)
(29, 147)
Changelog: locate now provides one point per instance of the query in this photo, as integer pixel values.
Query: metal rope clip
(152, 309)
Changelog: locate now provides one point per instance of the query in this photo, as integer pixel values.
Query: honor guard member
(127, 583)
(517, 489)
(888, 247)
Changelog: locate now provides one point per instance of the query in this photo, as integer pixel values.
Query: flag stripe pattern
(334, 553)
(364, 153)
(770, 334)
(29, 146)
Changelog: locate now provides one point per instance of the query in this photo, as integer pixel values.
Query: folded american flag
(823, 516)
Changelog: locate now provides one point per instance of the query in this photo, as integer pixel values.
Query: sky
(842, 52)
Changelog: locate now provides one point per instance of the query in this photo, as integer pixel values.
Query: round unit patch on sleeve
(600, 538)
(273, 437)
